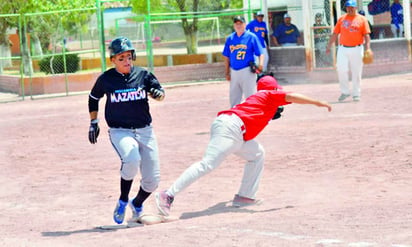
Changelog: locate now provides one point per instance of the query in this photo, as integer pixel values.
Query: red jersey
(258, 110)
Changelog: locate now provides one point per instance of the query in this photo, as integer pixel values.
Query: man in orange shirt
(353, 31)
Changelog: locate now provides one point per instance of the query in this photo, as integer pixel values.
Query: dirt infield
(331, 179)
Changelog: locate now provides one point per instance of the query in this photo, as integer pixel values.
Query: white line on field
(294, 237)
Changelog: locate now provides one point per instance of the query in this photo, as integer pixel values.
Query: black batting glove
(156, 93)
(94, 131)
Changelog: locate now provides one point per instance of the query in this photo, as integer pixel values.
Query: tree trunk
(5, 54)
(190, 30)
(5, 51)
(191, 43)
(27, 63)
(37, 51)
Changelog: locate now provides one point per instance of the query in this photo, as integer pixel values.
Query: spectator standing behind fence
(238, 53)
(397, 19)
(259, 28)
(353, 31)
(286, 34)
(321, 34)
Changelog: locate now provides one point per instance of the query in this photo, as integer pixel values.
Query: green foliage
(46, 25)
(141, 7)
(236, 4)
(159, 6)
(72, 64)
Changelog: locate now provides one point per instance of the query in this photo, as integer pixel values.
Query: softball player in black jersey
(127, 114)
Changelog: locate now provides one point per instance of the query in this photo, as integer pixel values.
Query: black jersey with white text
(126, 97)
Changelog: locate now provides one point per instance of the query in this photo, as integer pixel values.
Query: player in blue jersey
(396, 19)
(127, 115)
(286, 34)
(239, 51)
(259, 28)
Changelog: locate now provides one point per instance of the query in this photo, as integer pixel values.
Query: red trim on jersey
(257, 111)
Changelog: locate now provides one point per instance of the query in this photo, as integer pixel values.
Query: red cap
(268, 83)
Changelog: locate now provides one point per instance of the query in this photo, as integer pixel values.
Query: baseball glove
(260, 75)
(368, 57)
(278, 113)
(254, 68)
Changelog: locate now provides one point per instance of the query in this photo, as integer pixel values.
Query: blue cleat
(136, 212)
(119, 212)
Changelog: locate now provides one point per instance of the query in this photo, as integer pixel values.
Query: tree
(189, 11)
(5, 44)
(41, 27)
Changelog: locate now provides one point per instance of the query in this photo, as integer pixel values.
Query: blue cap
(350, 3)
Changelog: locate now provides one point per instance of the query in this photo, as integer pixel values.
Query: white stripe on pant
(226, 137)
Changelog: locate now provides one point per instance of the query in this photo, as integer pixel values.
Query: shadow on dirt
(225, 207)
(67, 233)
(220, 208)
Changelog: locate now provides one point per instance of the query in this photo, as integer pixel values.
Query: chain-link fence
(183, 34)
(64, 51)
(49, 53)
(9, 56)
(64, 45)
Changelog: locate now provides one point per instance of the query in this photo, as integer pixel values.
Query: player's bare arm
(227, 68)
(302, 99)
(367, 38)
(275, 41)
(332, 40)
(261, 61)
(93, 115)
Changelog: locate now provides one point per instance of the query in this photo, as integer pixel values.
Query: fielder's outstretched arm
(302, 99)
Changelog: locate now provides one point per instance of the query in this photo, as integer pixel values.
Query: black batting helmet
(121, 44)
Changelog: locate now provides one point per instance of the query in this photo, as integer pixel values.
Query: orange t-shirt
(352, 29)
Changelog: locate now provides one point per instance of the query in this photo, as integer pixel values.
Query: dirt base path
(331, 179)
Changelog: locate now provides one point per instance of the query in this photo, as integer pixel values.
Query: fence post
(307, 14)
(407, 27)
(100, 24)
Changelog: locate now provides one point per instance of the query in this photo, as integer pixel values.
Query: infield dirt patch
(331, 179)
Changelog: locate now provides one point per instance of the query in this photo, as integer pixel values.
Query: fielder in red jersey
(233, 131)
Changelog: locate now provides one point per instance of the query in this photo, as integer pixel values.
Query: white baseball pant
(350, 57)
(137, 149)
(242, 82)
(226, 137)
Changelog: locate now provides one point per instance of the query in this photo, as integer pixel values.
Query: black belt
(131, 127)
(350, 46)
